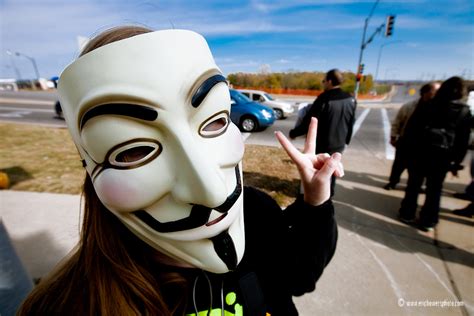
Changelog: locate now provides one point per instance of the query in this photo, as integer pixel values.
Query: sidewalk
(381, 266)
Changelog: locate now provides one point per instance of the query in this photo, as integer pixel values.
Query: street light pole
(380, 55)
(362, 47)
(17, 72)
(32, 61)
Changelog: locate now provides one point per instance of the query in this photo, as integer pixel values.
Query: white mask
(150, 117)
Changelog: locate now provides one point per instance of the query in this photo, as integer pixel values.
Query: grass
(44, 159)
(40, 159)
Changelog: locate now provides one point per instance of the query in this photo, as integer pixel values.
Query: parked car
(282, 109)
(249, 116)
(57, 106)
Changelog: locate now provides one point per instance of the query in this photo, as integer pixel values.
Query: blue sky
(433, 39)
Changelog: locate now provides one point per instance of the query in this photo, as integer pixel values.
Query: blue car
(249, 116)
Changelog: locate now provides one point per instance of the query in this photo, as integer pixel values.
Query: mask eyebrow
(204, 89)
(124, 109)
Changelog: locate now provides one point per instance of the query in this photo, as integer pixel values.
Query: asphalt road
(29, 107)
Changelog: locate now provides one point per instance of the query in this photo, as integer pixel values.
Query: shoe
(389, 186)
(408, 221)
(468, 211)
(462, 196)
(425, 228)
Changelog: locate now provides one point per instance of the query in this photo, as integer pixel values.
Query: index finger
(291, 150)
(310, 143)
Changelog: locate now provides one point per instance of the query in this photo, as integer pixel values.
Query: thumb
(330, 166)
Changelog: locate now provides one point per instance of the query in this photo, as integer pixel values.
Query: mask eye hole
(134, 154)
(215, 125)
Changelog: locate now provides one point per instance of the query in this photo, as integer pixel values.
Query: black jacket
(335, 111)
(285, 254)
(452, 118)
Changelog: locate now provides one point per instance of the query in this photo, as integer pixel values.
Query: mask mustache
(199, 215)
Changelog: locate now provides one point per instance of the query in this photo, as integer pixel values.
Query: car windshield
(269, 97)
(239, 97)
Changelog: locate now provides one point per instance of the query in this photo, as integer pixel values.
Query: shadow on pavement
(373, 215)
(378, 181)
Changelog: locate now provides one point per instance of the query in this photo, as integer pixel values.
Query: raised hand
(315, 170)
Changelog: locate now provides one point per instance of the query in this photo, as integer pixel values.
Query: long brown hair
(112, 272)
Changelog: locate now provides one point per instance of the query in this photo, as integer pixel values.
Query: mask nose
(200, 180)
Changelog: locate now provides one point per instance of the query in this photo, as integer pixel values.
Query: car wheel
(278, 114)
(248, 124)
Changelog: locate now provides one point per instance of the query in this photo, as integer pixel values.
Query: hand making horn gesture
(315, 170)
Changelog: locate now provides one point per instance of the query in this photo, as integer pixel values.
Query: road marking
(26, 101)
(389, 150)
(10, 108)
(359, 121)
(428, 266)
(393, 283)
(15, 114)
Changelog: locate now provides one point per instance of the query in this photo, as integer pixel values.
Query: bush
(285, 81)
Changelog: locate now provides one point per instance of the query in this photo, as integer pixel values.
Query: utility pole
(362, 47)
(17, 72)
(32, 61)
(380, 55)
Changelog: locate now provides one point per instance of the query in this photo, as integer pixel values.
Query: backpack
(440, 132)
(441, 139)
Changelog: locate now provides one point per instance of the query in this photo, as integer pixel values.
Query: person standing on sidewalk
(164, 231)
(427, 92)
(437, 138)
(335, 111)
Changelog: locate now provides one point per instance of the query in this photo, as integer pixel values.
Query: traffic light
(389, 25)
(361, 69)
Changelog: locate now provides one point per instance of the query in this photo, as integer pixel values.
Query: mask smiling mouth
(199, 215)
(217, 220)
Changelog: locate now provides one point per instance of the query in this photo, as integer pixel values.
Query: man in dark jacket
(335, 111)
(427, 92)
(437, 137)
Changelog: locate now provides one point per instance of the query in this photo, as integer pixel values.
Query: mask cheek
(234, 147)
(129, 190)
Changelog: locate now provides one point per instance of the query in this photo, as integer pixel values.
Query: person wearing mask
(169, 228)
(335, 111)
(437, 138)
(427, 92)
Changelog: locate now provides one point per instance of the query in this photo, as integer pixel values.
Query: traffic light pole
(362, 47)
(380, 55)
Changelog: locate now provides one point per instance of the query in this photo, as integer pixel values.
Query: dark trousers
(435, 172)
(399, 164)
(333, 185)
